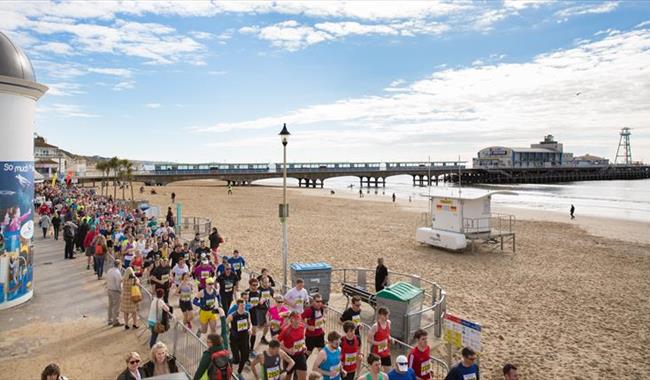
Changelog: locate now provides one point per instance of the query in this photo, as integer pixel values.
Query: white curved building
(547, 153)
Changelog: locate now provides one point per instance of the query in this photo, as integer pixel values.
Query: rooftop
(13, 61)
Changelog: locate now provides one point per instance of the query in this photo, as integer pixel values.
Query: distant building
(48, 159)
(547, 153)
(589, 160)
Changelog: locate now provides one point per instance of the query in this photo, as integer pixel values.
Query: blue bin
(317, 277)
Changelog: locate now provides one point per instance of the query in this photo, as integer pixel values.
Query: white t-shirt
(178, 272)
(297, 297)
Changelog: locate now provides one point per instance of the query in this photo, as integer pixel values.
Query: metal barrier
(434, 295)
(196, 224)
(439, 368)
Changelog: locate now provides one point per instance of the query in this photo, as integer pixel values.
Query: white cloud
(589, 8)
(503, 103)
(118, 72)
(64, 89)
(643, 24)
(55, 47)
(202, 35)
(289, 35)
(124, 85)
(477, 62)
(523, 4)
(217, 72)
(65, 110)
(152, 105)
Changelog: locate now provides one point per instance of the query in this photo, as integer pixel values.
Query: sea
(627, 200)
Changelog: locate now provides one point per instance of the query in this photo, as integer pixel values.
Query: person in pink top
(276, 315)
(203, 271)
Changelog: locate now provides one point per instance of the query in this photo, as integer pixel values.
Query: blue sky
(214, 81)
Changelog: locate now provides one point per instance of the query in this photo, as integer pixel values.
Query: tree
(126, 174)
(114, 165)
(103, 167)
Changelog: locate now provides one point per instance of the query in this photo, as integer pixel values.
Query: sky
(211, 81)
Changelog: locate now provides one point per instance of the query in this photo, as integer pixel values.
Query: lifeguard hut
(457, 219)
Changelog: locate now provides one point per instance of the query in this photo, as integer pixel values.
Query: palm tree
(128, 174)
(114, 164)
(102, 166)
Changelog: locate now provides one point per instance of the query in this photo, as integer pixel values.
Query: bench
(350, 290)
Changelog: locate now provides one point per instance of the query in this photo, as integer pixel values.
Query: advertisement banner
(17, 229)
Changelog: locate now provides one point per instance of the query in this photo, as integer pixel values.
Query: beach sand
(568, 304)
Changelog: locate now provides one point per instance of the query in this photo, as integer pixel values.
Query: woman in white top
(158, 307)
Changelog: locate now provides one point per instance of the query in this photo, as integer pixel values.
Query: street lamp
(284, 207)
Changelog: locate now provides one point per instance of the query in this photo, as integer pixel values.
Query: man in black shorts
(353, 313)
(258, 317)
(314, 322)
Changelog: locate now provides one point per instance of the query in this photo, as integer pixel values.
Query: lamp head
(284, 134)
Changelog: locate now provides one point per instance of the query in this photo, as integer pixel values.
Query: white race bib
(273, 373)
(254, 301)
(356, 319)
(299, 345)
(350, 359)
(425, 367)
(383, 346)
(242, 325)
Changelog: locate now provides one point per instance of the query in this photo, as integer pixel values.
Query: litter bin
(317, 277)
(403, 300)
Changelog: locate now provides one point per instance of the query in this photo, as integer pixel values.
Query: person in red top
(419, 358)
(350, 354)
(89, 246)
(138, 264)
(314, 316)
(43, 209)
(379, 338)
(292, 337)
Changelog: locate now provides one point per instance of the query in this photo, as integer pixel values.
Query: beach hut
(457, 218)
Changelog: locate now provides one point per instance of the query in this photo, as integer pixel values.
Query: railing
(195, 224)
(434, 296)
(502, 223)
(439, 368)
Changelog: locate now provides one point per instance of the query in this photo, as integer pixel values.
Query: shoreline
(632, 231)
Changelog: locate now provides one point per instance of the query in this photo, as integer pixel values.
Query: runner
(419, 358)
(207, 300)
(314, 316)
(186, 290)
(203, 271)
(293, 343)
(350, 351)
(374, 369)
(266, 292)
(328, 360)
(353, 314)
(227, 286)
(297, 297)
(160, 277)
(277, 315)
(258, 318)
(379, 338)
(238, 263)
(224, 264)
(179, 270)
(271, 362)
(244, 296)
(240, 326)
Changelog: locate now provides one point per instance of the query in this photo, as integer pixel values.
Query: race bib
(425, 367)
(186, 296)
(336, 369)
(236, 266)
(356, 319)
(299, 345)
(275, 325)
(209, 303)
(205, 274)
(299, 301)
(254, 301)
(470, 376)
(266, 295)
(319, 322)
(383, 346)
(228, 285)
(242, 325)
(164, 278)
(273, 373)
(350, 359)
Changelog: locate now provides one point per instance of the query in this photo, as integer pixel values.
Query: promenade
(65, 323)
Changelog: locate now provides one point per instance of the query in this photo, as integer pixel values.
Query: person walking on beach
(466, 369)
(68, 236)
(114, 285)
(229, 189)
(394, 197)
(381, 275)
(173, 197)
(571, 211)
(360, 193)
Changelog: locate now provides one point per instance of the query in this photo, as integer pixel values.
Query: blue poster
(17, 229)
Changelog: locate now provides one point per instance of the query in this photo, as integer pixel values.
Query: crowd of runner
(233, 308)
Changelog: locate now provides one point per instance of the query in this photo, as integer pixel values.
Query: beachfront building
(48, 158)
(547, 153)
(589, 160)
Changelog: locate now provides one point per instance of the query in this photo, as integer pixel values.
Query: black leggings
(239, 345)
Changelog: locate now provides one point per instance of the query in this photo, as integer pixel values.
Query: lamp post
(284, 207)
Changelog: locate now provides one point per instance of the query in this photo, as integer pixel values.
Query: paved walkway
(63, 289)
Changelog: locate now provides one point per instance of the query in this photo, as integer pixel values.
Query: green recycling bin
(404, 301)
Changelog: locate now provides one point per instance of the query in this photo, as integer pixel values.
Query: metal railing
(499, 223)
(434, 296)
(195, 224)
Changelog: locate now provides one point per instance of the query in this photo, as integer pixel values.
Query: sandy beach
(568, 304)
